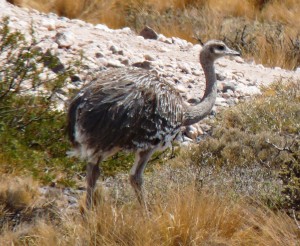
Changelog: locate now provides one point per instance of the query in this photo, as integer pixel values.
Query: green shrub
(32, 131)
(263, 133)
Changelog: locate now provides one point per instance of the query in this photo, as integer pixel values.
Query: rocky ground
(174, 58)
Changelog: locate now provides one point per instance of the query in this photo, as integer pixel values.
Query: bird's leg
(136, 174)
(93, 173)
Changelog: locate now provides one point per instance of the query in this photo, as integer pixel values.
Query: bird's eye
(221, 47)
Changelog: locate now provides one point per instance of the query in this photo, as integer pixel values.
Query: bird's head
(215, 49)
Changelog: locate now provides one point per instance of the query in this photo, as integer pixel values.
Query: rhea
(135, 110)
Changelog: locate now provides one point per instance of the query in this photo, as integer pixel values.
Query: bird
(136, 110)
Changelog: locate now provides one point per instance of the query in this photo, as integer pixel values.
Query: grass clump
(262, 134)
(264, 29)
(187, 217)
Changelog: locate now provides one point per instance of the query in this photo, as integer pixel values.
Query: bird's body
(124, 109)
(135, 110)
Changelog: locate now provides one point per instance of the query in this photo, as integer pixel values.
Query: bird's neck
(194, 114)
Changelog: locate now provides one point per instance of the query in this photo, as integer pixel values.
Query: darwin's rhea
(135, 110)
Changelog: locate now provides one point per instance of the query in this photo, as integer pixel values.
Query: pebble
(114, 49)
(149, 57)
(65, 39)
(144, 64)
(103, 28)
(148, 33)
(49, 24)
(114, 63)
(184, 67)
(248, 90)
(220, 101)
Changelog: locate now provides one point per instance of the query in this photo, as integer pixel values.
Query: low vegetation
(267, 30)
(241, 186)
(262, 133)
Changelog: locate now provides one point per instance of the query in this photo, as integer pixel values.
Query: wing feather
(129, 111)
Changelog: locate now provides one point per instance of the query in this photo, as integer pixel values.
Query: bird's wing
(130, 111)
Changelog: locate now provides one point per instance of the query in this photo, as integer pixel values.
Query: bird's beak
(233, 52)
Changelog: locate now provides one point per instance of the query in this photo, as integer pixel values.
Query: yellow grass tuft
(187, 217)
(17, 193)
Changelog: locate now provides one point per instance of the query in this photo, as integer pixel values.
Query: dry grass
(272, 27)
(187, 217)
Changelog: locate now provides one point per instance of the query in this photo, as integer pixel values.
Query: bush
(32, 130)
(262, 133)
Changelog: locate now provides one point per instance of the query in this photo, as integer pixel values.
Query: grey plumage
(134, 109)
(126, 108)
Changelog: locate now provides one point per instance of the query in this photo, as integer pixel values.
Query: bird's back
(127, 109)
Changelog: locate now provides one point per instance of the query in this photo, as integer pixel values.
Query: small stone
(64, 39)
(114, 49)
(99, 54)
(220, 76)
(125, 30)
(114, 63)
(247, 90)
(164, 39)
(148, 33)
(220, 101)
(191, 132)
(228, 86)
(125, 62)
(144, 64)
(49, 24)
(75, 78)
(103, 28)
(185, 68)
(149, 57)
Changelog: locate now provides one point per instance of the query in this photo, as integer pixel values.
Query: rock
(114, 49)
(48, 62)
(64, 39)
(99, 54)
(125, 62)
(185, 67)
(126, 30)
(144, 64)
(114, 63)
(103, 28)
(50, 24)
(220, 101)
(180, 42)
(228, 86)
(164, 39)
(148, 33)
(247, 90)
(149, 57)
(75, 78)
(191, 132)
(220, 76)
